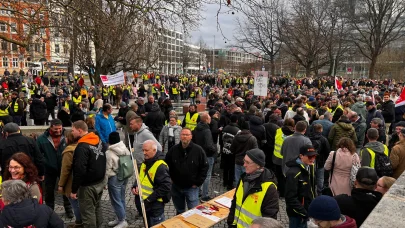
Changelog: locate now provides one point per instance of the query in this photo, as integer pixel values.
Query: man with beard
(51, 144)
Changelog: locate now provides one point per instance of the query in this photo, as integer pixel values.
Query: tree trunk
(373, 63)
(308, 70)
(272, 66)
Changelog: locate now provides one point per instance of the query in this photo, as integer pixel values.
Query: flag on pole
(401, 99)
(338, 84)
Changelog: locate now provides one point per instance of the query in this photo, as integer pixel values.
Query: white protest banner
(260, 84)
(113, 79)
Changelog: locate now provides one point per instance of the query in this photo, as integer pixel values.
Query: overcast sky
(208, 27)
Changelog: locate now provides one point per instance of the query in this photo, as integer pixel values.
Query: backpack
(383, 165)
(125, 167)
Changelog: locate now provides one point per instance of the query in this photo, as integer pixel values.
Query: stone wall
(389, 212)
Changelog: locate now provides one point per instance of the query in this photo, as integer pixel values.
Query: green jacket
(53, 157)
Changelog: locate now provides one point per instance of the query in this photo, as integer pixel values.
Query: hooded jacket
(104, 126)
(29, 213)
(348, 223)
(53, 157)
(360, 108)
(269, 206)
(360, 127)
(339, 130)
(397, 158)
(291, 148)
(299, 188)
(365, 156)
(38, 110)
(113, 152)
(66, 178)
(323, 148)
(161, 186)
(164, 136)
(155, 119)
(388, 111)
(89, 162)
(359, 205)
(187, 166)
(257, 129)
(139, 138)
(242, 142)
(202, 136)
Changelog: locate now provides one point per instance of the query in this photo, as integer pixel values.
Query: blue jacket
(104, 126)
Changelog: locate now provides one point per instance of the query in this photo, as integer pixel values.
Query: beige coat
(66, 173)
(397, 158)
(340, 182)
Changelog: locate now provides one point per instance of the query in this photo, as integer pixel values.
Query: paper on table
(225, 201)
(198, 212)
(175, 223)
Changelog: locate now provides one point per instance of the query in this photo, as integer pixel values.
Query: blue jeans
(182, 195)
(239, 170)
(206, 184)
(319, 180)
(152, 221)
(297, 222)
(76, 209)
(116, 191)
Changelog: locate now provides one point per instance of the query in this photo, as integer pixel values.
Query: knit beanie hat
(324, 208)
(257, 156)
(114, 138)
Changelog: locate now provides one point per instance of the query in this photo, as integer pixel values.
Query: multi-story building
(171, 46)
(229, 60)
(16, 23)
(194, 59)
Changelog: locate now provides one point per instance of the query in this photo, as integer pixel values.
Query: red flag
(338, 84)
(401, 99)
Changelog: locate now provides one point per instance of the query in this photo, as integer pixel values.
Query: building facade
(171, 45)
(229, 60)
(194, 59)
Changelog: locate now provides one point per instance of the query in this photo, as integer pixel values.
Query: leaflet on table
(199, 212)
(224, 201)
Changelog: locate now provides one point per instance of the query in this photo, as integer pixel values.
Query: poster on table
(260, 83)
(113, 79)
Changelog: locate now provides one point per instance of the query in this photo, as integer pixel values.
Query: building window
(3, 27)
(14, 47)
(4, 45)
(37, 47)
(43, 48)
(57, 50)
(65, 48)
(26, 29)
(15, 62)
(13, 27)
(26, 63)
(5, 62)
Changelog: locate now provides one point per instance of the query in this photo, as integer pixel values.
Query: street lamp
(43, 61)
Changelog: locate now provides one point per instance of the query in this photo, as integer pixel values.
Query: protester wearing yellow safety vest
(192, 118)
(16, 108)
(300, 186)
(369, 152)
(155, 183)
(76, 98)
(336, 110)
(259, 198)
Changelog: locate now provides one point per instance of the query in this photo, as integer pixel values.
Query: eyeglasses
(14, 168)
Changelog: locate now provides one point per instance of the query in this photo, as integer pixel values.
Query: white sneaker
(122, 224)
(113, 223)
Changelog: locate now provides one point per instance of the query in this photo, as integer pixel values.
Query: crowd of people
(330, 154)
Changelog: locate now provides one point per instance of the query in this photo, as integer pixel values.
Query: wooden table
(222, 213)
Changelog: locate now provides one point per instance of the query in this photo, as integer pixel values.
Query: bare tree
(257, 31)
(376, 23)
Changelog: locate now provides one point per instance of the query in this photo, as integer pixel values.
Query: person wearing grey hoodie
(141, 134)
(374, 146)
(359, 107)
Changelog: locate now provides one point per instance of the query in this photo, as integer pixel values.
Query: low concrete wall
(389, 212)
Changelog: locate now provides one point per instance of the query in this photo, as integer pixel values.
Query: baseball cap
(308, 150)
(367, 176)
(400, 124)
(239, 99)
(368, 103)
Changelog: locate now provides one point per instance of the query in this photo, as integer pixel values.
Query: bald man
(203, 137)
(155, 182)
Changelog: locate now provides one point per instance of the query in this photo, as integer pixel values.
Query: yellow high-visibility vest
(338, 107)
(278, 143)
(4, 112)
(67, 105)
(77, 100)
(372, 154)
(147, 187)
(191, 121)
(174, 91)
(250, 209)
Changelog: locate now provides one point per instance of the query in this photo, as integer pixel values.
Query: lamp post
(43, 61)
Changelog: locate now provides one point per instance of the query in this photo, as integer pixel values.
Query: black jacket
(268, 149)
(89, 162)
(322, 146)
(38, 110)
(299, 189)
(122, 112)
(187, 166)
(257, 130)
(65, 118)
(242, 142)
(50, 102)
(228, 134)
(161, 186)
(388, 111)
(29, 213)
(269, 207)
(155, 119)
(214, 129)
(202, 136)
(359, 205)
(19, 143)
